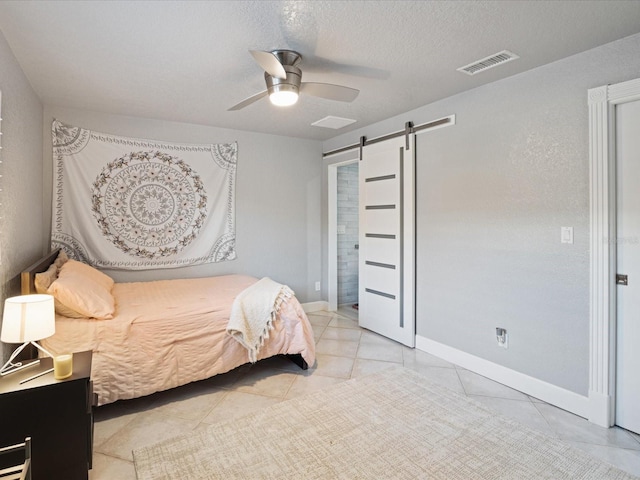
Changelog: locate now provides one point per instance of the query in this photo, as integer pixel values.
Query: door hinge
(621, 279)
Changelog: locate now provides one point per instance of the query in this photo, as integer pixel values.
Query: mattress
(169, 333)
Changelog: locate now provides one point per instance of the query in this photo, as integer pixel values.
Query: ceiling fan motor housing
(289, 84)
(287, 57)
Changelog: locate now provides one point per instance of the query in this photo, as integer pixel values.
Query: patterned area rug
(393, 424)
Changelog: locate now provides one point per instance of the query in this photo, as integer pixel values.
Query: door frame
(602, 287)
(332, 227)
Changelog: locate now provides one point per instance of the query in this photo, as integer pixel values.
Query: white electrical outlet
(317, 286)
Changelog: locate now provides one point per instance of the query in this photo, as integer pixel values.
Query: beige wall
(21, 226)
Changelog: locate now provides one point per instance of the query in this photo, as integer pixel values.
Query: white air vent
(488, 62)
(333, 122)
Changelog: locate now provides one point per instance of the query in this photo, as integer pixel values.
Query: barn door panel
(387, 259)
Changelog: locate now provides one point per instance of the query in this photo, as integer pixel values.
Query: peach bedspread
(172, 332)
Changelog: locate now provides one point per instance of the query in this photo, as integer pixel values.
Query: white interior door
(386, 260)
(628, 258)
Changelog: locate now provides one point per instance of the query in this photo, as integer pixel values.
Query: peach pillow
(42, 283)
(61, 259)
(83, 289)
(43, 280)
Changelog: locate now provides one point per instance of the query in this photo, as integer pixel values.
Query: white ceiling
(188, 61)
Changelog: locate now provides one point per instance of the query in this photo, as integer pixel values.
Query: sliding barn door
(386, 273)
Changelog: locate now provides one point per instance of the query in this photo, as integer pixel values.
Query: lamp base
(11, 367)
(15, 367)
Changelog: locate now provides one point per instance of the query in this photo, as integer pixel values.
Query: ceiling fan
(284, 81)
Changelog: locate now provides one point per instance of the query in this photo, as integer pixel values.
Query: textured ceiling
(187, 61)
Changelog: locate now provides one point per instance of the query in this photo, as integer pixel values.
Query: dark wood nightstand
(56, 414)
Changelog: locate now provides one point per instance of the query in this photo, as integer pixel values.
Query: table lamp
(26, 319)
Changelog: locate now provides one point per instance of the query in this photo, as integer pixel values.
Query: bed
(160, 334)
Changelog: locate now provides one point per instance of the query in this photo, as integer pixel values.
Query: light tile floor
(343, 351)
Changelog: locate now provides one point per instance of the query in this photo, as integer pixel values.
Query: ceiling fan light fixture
(283, 98)
(282, 94)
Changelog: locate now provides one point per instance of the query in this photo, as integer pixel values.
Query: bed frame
(27, 278)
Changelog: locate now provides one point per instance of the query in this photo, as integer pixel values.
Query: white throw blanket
(253, 312)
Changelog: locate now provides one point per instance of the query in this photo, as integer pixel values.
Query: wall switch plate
(502, 337)
(566, 234)
(317, 286)
(342, 229)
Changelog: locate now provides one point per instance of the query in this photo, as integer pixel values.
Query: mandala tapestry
(134, 204)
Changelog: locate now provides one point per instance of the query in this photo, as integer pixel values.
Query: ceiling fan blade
(269, 63)
(329, 91)
(248, 101)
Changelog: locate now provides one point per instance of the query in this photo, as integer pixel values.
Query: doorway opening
(343, 225)
(347, 238)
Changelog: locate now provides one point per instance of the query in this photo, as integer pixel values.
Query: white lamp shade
(28, 318)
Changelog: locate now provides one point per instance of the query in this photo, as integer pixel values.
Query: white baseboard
(560, 397)
(315, 306)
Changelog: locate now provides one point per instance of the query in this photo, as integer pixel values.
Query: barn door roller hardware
(408, 130)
